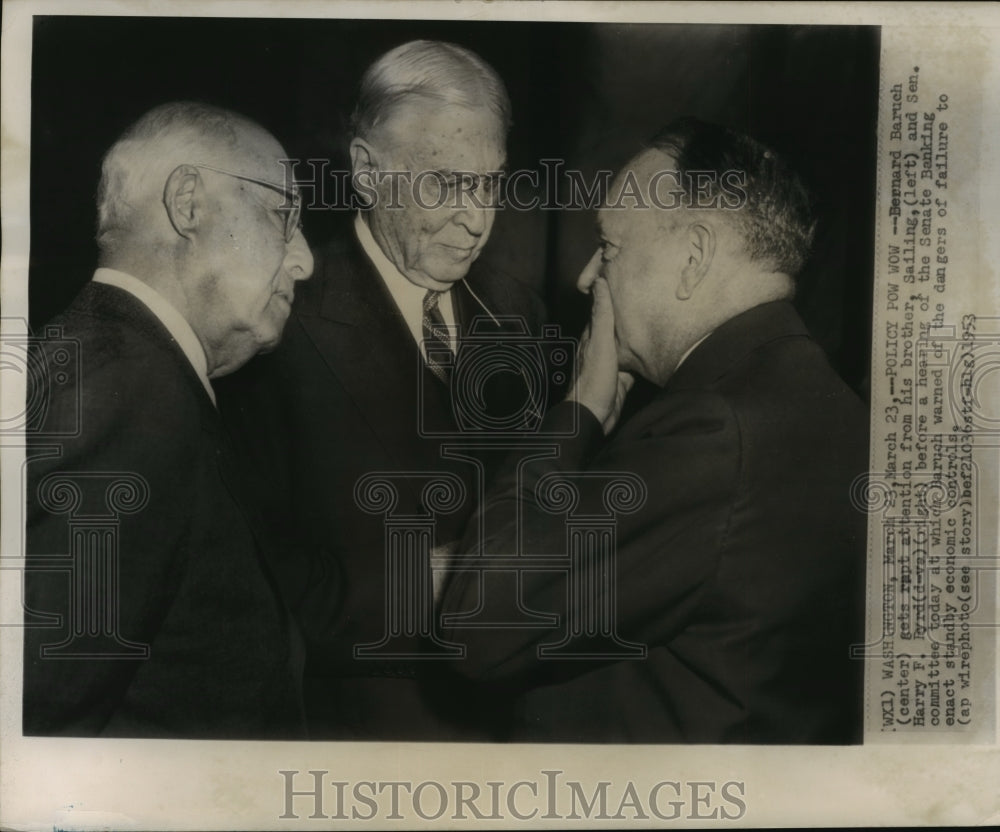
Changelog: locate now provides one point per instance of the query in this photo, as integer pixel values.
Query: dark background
(590, 94)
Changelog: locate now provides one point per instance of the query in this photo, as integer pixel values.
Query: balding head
(193, 201)
(181, 132)
(697, 229)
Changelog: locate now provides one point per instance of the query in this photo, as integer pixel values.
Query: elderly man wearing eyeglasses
(162, 617)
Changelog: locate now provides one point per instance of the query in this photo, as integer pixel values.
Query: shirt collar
(167, 314)
(398, 283)
(407, 295)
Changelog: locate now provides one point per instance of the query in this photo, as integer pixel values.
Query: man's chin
(271, 343)
(441, 281)
(627, 363)
(448, 274)
(267, 340)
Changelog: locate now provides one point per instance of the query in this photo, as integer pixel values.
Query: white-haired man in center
(348, 391)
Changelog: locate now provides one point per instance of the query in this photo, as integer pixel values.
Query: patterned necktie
(436, 338)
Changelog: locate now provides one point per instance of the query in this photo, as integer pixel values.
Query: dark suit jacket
(742, 573)
(345, 396)
(223, 658)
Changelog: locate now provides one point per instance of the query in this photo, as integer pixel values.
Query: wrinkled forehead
(258, 154)
(445, 136)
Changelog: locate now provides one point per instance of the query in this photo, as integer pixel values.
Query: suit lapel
(110, 301)
(364, 341)
(350, 317)
(736, 339)
(718, 355)
(122, 304)
(103, 300)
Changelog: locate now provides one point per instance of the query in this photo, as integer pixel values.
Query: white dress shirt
(407, 295)
(166, 313)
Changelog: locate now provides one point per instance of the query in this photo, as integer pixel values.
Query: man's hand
(599, 386)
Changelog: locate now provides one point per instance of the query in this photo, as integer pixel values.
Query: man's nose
(298, 258)
(593, 270)
(474, 214)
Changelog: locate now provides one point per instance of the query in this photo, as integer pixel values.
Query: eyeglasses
(292, 211)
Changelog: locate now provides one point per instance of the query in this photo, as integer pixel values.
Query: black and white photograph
(737, 574)
(477, 385)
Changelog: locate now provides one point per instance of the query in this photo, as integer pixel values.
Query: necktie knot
(431, 300)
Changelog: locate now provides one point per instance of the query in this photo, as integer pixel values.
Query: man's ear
(701, 252)
(364, 156)
(364, 167)
(180, 199)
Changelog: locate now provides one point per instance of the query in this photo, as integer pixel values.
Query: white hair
(136, 167)
(432, 70)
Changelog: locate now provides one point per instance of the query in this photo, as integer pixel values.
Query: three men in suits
(150, 610)
(722, 600)
(354, 390)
